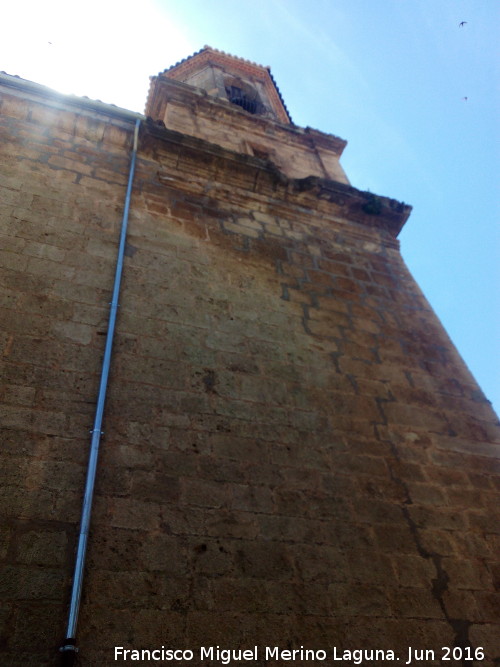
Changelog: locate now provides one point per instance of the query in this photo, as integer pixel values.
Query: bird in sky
(462, 23)
(465, 99)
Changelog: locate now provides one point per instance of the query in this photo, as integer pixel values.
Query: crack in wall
(439, 584)
(459, 626)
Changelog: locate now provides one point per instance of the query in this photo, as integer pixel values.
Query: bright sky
(414, 93)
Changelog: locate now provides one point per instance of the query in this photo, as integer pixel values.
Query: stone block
(25, 583)
(203, 493)
(47, 548)
(251, 498)
(358, 601)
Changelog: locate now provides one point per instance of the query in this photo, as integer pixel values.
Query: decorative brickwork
(209, 59)
(294, 452)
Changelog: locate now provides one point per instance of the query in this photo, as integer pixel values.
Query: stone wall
(294, 453)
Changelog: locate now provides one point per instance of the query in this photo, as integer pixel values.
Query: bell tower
(236, 104)
(224, 77)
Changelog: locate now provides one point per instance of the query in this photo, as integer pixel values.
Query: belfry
(266, 130)
(287, 458)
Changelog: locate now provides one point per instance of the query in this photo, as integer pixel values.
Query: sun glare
(102, 50)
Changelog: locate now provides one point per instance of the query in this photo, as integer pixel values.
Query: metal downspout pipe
(68, 648)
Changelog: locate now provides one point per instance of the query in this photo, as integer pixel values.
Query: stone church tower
(292, 457)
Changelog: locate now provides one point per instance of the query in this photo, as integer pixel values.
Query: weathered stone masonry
(294, 452)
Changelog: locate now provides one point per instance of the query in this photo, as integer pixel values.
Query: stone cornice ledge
(364, 208)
